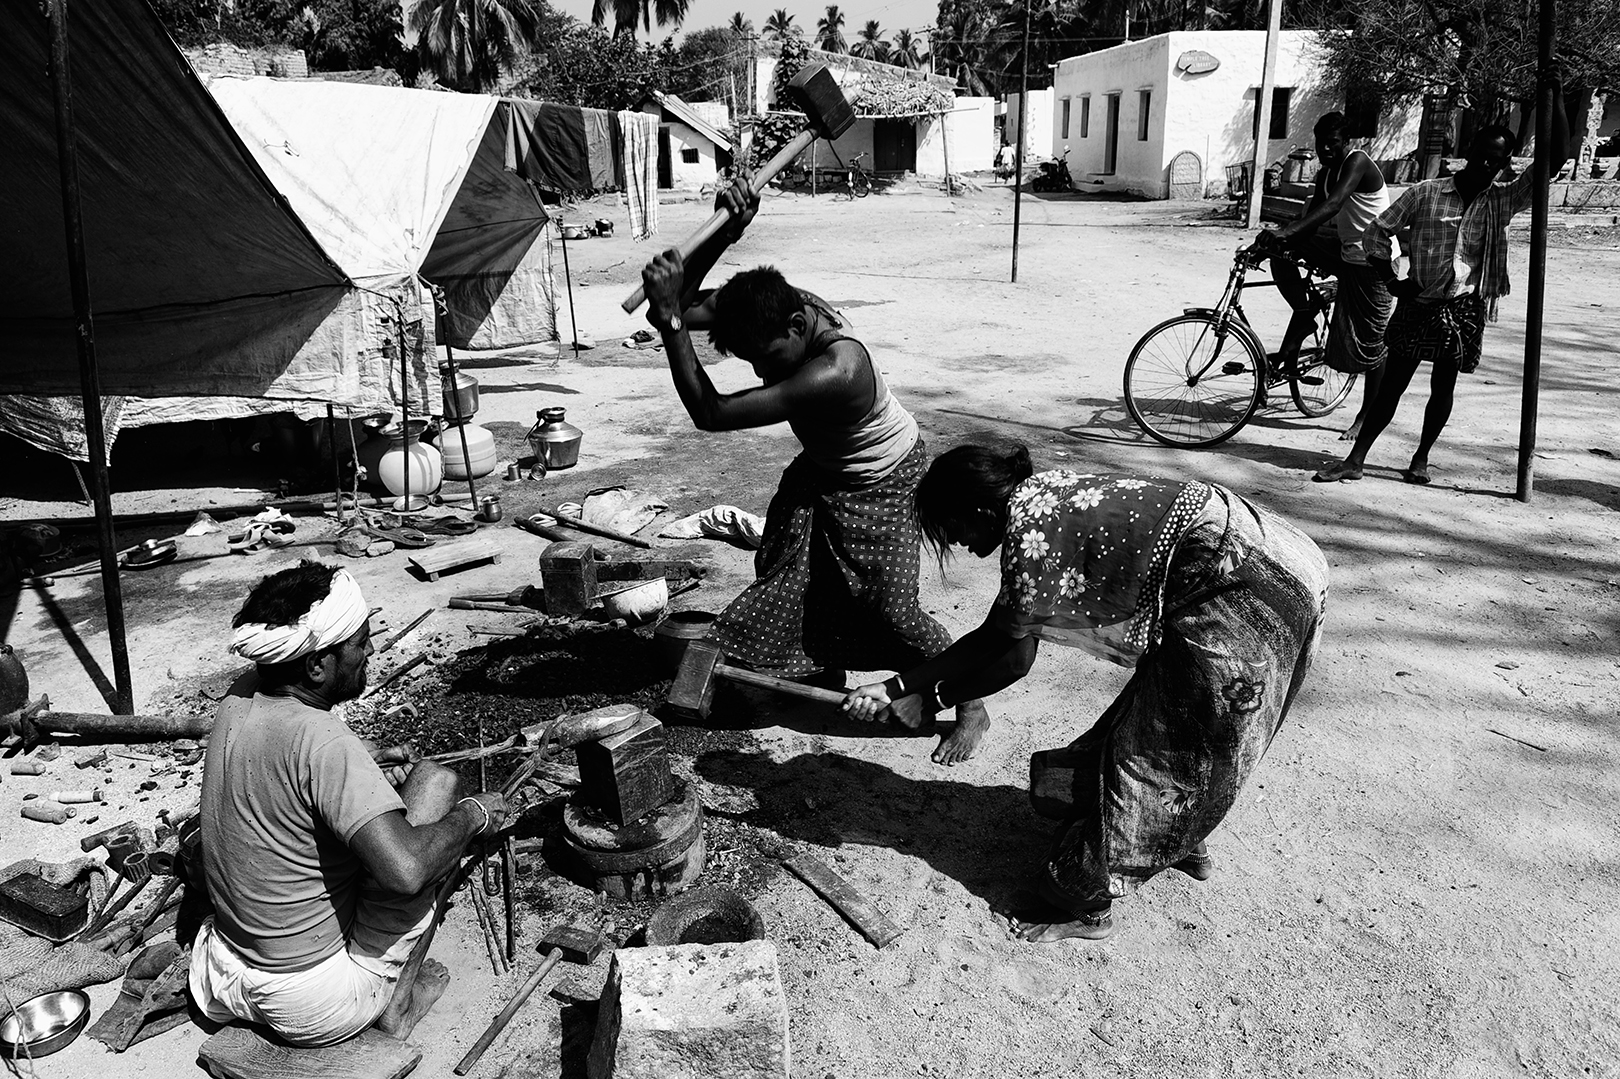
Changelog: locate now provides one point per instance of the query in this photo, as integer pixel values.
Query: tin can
(489, 508)
(512, 473)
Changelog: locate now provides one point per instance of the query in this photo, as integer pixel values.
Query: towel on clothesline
(602, 149)
(641, 172)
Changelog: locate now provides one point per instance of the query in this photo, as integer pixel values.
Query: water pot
(553, 440)
(460, 394)
(426, 468)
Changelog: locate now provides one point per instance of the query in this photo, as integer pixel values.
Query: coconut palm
(741, 25)
(466, 43)
(870, 44)
(780, 25)
(904, 52)
(626, 13)
(830, 31)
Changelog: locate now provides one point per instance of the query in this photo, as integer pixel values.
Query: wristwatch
(674, 325)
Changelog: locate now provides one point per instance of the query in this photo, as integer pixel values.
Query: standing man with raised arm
(837, 574)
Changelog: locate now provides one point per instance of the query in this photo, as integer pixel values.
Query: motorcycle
(1053, 175)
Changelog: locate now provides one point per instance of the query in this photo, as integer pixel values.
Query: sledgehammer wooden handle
(784, 157)
(781, 685)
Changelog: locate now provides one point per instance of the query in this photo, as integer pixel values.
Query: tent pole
(337, 469)
(461, 424)
(1536, 301)
(568, 279)
(89, 375)
(1262, 108)
(1018, 151)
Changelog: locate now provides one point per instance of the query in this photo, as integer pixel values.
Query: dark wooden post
(67, 154)
(1536, 301)
(1018, 151)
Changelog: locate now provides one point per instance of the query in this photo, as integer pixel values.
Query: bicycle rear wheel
(1317, 388)
(860, 184)
(1190, 384)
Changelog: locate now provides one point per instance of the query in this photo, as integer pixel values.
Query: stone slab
(693, 1010)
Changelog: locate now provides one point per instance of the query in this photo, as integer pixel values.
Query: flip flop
(409, 538)
(1336, 472)
(1418, 476)
(445, 525)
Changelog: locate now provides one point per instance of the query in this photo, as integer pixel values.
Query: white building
(1037, 123)
(895, 145)
(693, 144)
(1187, 99)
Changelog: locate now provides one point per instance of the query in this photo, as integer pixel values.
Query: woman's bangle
(488, 820)
(933, 697)
(895, 687)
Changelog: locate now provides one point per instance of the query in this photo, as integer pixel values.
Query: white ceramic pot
(427, 467)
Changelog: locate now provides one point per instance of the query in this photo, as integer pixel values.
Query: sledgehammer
(563, 942)
(828, 114)
(693, 689)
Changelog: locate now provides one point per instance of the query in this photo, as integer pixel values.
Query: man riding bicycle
(1350, 191)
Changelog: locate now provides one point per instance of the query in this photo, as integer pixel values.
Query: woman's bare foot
(1044, 923)
(429, 986)
(972, 720)
(1417, 472)
(1352, 432)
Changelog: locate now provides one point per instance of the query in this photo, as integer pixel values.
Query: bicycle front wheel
(1317, 388)
(1190, 384)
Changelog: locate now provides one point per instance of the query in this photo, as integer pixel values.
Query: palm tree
(466, 43)
(830, 31)
(626, 13)
(741, 25)
(904, 51)
(780, 25)
(870, 44)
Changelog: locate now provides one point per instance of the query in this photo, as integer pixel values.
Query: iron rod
(1018, 151)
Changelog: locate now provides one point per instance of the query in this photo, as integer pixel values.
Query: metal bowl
(637, 602)
(42, 1025)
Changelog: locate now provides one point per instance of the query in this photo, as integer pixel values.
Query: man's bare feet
(1045, 923)
(1417, 472)
(972, 720)
(429, 986)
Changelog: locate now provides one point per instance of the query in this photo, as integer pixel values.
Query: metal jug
(461, 397)
(553, 440)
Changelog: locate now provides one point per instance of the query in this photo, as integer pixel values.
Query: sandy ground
(1422, 878)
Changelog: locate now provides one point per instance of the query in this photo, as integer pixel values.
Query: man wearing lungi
(1350, 192)
(1454, 234)
(323, 854)
(837, 573)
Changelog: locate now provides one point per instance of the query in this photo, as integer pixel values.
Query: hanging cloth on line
(641, 172)
(560, 148)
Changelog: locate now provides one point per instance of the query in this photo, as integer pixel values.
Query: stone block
(693, 1010)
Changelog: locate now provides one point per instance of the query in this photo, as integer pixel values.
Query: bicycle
(1193, 381)
(860, 181)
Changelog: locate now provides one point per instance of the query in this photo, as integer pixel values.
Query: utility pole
(1536, 302)
(1262, 108)
(1018, 151)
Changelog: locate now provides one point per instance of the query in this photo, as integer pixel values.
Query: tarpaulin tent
(394, 185)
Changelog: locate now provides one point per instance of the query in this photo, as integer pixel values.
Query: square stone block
(693, 1010)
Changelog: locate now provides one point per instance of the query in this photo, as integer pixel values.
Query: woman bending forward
(1215, 602)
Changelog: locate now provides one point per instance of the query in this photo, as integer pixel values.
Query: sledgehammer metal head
(692, 692)
(818, 96)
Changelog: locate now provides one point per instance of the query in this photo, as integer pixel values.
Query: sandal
(445, 525)
(1339, 470)
(409, 538)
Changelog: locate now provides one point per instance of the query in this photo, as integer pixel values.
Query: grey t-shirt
(285, 788)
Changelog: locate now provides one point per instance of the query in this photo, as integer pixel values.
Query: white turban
(329, 622)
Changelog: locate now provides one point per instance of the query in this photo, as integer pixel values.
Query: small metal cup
(489, 508)
(512, 473)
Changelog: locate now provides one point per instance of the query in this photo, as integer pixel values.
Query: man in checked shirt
(1453, 232)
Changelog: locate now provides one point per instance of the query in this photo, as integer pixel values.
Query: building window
(1085, 116)
(1281, 97)
(689, 155)
(1144, 107)
(1065, 119)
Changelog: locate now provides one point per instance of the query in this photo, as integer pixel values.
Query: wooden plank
(874, 925)
(441, 557)
(239, 1052)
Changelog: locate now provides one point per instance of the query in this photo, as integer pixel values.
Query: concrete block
(693, 1010)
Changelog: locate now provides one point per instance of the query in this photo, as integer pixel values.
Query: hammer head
(568, 578)
(693, 689)
(576, 945)
(817, 94)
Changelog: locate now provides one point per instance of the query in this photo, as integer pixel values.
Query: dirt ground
(1421, 879)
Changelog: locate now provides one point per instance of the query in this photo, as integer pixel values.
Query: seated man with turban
(322, 874)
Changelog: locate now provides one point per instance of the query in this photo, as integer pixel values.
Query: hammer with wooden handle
(828, 114)
(702, 664)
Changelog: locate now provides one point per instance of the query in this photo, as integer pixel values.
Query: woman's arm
(982, 662)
